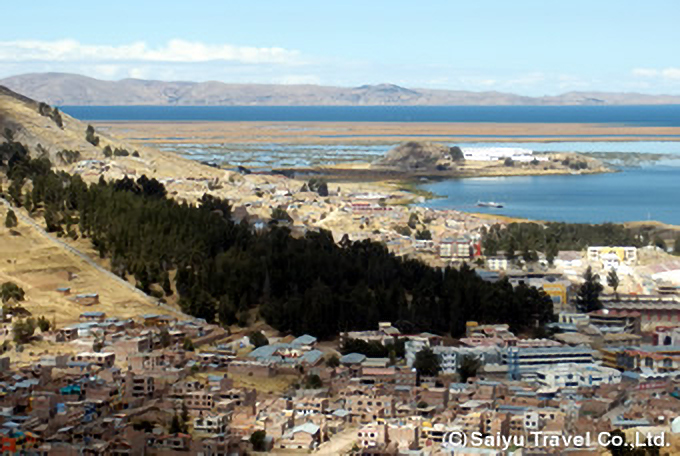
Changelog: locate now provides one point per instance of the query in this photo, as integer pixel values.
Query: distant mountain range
(72, 89)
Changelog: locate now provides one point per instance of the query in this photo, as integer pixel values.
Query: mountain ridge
(72, 89)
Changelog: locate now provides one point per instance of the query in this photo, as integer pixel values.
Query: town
(162, 383)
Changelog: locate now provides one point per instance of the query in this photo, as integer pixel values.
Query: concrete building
(577, 375)
(523, 363)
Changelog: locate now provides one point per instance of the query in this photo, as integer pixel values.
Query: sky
(527, 47)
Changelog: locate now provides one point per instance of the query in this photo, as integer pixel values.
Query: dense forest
(518, 239)
(223, 270)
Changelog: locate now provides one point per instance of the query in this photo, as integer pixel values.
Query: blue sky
(527, 47)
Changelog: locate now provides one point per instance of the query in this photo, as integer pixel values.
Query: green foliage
(10, 291)
(306, 284)
(333, 361)
(258, 339)
(44, 324)
(613, 280)
(187, 344)
(626, 448)
(456, 153)
(68, 156)
(404, 230)
(313, 381)
(468, 367)
(281, 215)
(588, 297)
(91, 137)
(508, 162)
(553, 237)
(424, 235)
(413, 220)
(318, 185)
(427, 363)
(257, 440)
(372, 349)
(11, 219)
(23, 330)
(108, 152)
(46, 110)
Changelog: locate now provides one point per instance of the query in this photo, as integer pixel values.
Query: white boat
(489, 204)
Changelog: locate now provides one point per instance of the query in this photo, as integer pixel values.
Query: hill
(70, 89)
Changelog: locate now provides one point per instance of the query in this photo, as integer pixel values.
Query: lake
(645, 193)
(665, 115)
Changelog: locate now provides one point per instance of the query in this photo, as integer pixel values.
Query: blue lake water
(646, 193)
(667, 115)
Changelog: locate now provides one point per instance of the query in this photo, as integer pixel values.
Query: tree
(333, 361)
(258, 440)
(23, 330)
(258, 339)
(427, 362)
(588, 298)
(313, 381)
(91, 137)
(43, 324)
(509, 162)
(11, 219)
(187, 344)
(613, 281)
(175, 425)
(424, 235)
(11, 291)
(469, 365)
(456, 153)
(281, 215)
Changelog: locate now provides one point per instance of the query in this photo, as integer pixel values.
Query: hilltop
(72, 89)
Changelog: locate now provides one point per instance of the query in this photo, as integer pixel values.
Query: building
(576, 376)
(523, 363)
(625, 255)
(105, 360)
(306, 436)
(212, 424)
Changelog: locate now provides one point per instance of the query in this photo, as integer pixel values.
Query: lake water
(668, 115)
(648, 192)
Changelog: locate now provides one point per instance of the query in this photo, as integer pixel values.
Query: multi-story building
(523, 363)
(576, 376)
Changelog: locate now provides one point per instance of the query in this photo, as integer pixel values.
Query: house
(212, 424)
(105, 360)
(306, 342)
(306, 436)
(497, 263)
(92, 317)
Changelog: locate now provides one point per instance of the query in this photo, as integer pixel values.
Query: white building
(575, 376)
(501, 153)
(216, 424)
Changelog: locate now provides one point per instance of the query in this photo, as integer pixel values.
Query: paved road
(91, 262)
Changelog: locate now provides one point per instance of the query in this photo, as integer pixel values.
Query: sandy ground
(373, 132)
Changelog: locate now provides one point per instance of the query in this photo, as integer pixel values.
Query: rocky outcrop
(417, 156)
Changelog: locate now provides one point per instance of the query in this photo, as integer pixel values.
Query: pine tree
(613, 281)
(11, 219)
(588, 298)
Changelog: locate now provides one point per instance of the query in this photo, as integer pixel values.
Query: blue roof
(312, 356)
(304, 340)
(92, 314)
(353, 358)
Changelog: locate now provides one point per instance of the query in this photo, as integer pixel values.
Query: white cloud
(670, 74)
(174, 51)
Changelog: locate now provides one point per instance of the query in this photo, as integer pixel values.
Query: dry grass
(40, 266)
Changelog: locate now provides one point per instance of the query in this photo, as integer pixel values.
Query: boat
(489, 204)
